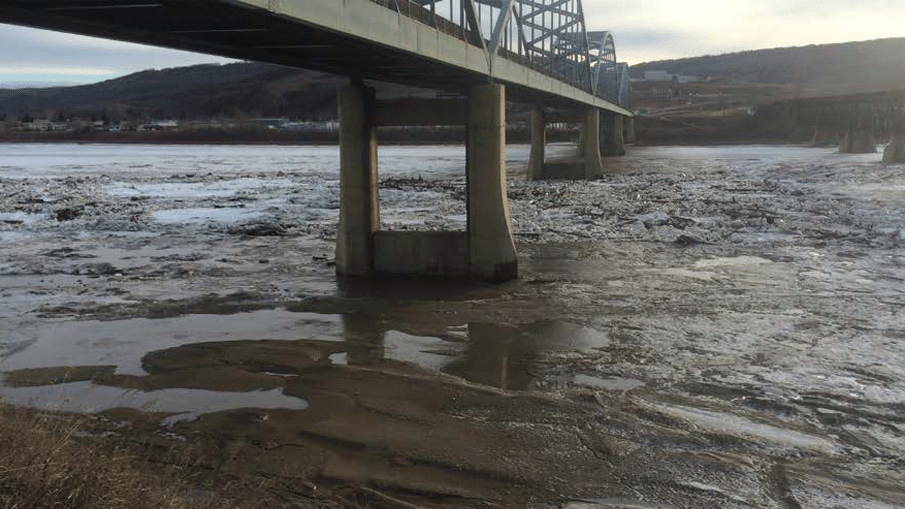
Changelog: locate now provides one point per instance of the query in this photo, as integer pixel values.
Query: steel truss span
(547, 35)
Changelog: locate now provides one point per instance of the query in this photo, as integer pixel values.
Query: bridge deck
(359, 38)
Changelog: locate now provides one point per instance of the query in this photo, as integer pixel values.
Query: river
(702, 327)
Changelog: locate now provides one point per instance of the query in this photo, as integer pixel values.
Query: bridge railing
(565, 57)
(418, 12)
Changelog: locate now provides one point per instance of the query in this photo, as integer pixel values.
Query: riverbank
(650, 131)
(387, 136)
(53, 460)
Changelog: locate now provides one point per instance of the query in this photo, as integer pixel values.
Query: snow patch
(740, 261)
(205, 215)
(220, 189)
(23, 217)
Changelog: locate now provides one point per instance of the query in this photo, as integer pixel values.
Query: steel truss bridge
(540, 49)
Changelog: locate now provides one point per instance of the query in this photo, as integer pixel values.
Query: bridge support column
(585, 164)
(486, 250)
(895, 151)
(628, 129)
(491, 247)
(612, 143)
(593, 166)
(824, 137)
(858, 141)
(359, 212)
(538, 141)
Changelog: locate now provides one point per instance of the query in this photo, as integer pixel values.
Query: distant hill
(264, 90)
(848, 67)
(200, 91)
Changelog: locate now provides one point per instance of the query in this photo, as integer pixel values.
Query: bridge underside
(242, 29)
(232, 31)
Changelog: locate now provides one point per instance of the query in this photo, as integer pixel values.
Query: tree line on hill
(250, 90)
(866, 66)
(257, 90)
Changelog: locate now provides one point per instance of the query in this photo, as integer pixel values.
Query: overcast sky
(644, 31)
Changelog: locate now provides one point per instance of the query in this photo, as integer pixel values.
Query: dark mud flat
(704, 327)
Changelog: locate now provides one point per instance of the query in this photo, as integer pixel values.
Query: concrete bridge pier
(491, 246)
(593, 165)
(586, 165)
(824, 137)
(612, 142)
(538, 141)
(359, 211)
(485, 251)
(895, 151)
(857, 141)
(628, 130)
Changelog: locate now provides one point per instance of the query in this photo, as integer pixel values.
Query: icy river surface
(702, 327)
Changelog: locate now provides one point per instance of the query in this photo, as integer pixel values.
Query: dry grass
(44, 465)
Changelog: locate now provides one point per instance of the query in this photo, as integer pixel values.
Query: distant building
(46, 126)
(317, 126)
(159, 125)
(665, 76)
(212, 125)
(658, 93)
(657, 76)
(36, 125)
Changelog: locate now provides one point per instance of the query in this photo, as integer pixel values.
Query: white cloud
(30, 51)
(670, 29)
(67, 71)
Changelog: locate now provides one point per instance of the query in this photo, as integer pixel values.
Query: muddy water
(704, 327)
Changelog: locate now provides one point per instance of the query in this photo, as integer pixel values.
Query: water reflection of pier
(491, 354)
(496, 356)
(364, 339)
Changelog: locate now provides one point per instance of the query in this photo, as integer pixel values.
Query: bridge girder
(544, 39)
